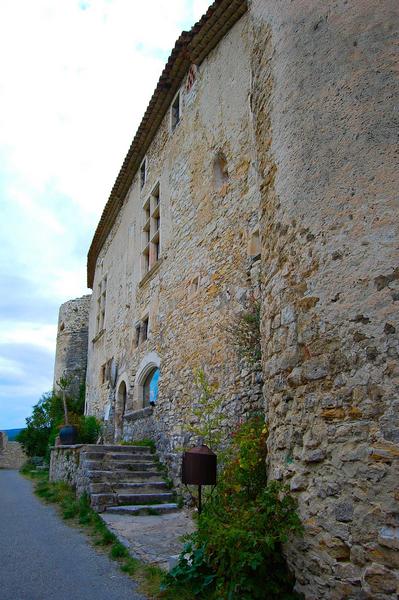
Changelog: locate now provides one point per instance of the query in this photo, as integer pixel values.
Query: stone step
(101, 488)
(98, 476)
(143, 465)
(95, 465)
(142, 509)
(116, 448)
(128, 456)
(140, 498)
(101, 501)
(115, 456)
(140, 486)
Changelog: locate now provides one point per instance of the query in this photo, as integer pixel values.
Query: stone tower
(71, 350)
(324, 90)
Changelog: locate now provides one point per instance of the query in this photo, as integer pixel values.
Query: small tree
(64, 383)
(206, 412)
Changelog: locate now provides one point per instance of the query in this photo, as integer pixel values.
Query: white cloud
(75, 83)
(75, 79)
(10, 368)
(25, 333)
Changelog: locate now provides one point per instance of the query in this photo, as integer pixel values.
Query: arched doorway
(150, 388)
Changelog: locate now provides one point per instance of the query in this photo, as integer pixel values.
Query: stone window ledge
(150, 273)
(97, 337)
(136, 415)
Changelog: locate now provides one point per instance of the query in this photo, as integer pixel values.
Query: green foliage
(146, 443)
(193, 570)
(205, 417)
(236, 550)
(89, 430)
(118, 550)
(43, 425)
(45, 415)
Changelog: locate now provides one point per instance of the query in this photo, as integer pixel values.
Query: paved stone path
(153, 539)
(42, 558)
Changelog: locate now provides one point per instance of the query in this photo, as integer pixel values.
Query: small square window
(143, 173)
(175, 111)
(144, 329)
(137, 329)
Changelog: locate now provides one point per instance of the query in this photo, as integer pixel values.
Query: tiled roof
(191, 48)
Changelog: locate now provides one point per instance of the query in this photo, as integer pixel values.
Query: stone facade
(326, 147)
(12, 455)
(71, 349)
(207, 271)
(279, 182)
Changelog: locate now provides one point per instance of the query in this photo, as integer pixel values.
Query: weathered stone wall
(323, 96)
(207, 270)
(299, 97)
(65, 465)
(71, 349)
(12, 455)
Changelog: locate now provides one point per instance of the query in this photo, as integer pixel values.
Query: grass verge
(78, 512)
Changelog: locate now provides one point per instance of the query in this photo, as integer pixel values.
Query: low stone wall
(12, 456)
(65, 465)
(139, 425)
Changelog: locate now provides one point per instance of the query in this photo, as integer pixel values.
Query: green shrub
(43, 426)
(118, 550)
(145, 443)
(89, 430)
(236, 550)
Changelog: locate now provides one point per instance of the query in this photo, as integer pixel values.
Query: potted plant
(68, 433)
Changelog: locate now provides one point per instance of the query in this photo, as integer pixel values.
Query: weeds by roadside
(78, 512)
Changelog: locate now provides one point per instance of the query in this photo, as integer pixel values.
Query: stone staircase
(126, 480)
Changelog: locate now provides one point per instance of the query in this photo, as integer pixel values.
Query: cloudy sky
(75, 79)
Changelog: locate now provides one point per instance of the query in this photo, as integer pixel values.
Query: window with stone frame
(143, 173)
(151, 233)
(137, 329)
(144, 329)
(101, 302)
(175, 112)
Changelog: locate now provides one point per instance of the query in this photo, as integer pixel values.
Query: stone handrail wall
(66, 465)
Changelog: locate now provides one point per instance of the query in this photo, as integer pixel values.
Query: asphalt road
(42, 558)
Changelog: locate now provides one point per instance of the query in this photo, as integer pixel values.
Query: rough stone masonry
(71, 349)
(326, 125)
(12, 455)
(269, 148)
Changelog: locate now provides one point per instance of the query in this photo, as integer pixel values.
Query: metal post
(199, 500)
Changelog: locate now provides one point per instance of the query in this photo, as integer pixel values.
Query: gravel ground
(42, 558)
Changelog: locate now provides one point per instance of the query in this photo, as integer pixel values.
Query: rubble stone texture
(12, 455)
(290, 127)
(323, 101)
(206, 273)
(71, 349)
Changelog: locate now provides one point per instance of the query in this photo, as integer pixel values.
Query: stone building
(265, 167)
(71, 347)
(12, 455)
